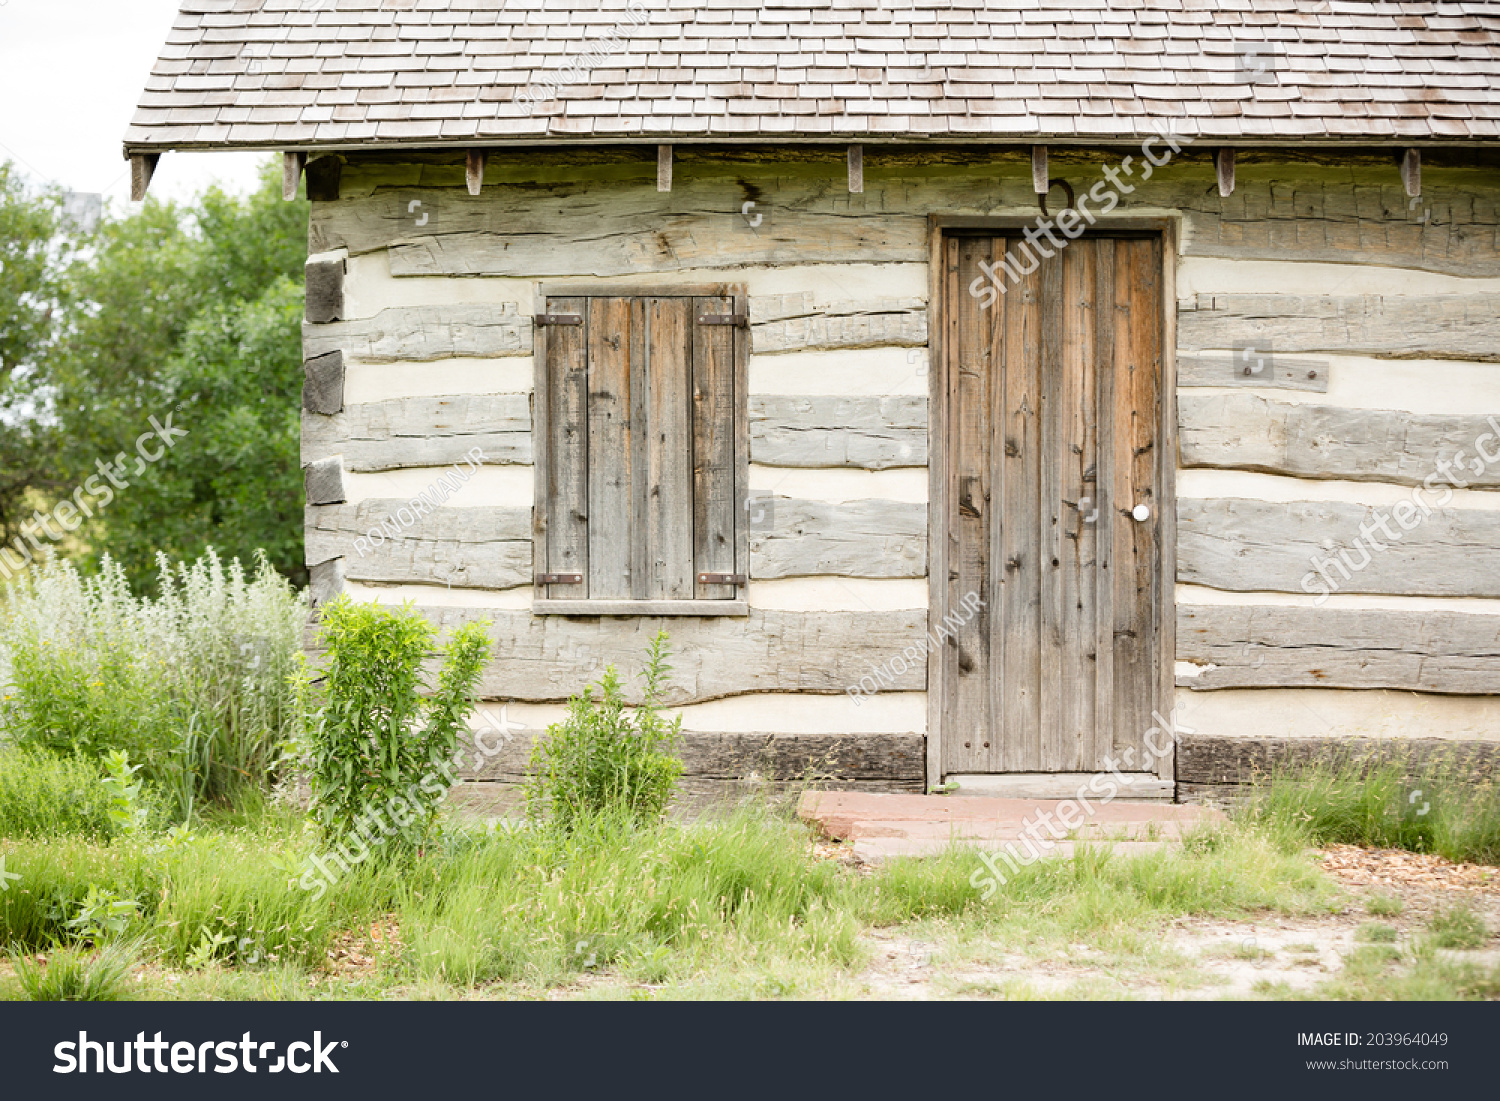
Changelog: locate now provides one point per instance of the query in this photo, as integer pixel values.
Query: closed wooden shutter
(641, 465)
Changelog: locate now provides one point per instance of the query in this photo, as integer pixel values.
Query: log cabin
(979, 393)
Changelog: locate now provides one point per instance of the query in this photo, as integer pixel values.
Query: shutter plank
(715, 510)
(665, 539)
(610, 339)
(567, 446)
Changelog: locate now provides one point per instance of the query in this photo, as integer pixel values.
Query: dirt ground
(1216, 959)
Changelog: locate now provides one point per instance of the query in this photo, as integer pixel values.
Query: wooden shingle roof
(337, 73)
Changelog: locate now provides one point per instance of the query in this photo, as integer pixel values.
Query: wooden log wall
(1286, 421)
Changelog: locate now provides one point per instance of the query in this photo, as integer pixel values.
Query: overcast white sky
(70, 74)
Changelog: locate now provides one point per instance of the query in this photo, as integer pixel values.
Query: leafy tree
(34, 254)
(193, 313)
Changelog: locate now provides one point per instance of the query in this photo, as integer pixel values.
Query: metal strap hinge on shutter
(738, 320)
(559, 579)
(721, 579)
(558, 319)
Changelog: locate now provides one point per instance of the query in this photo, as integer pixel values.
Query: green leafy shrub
(103, 915)
(126, 809)
(193, 685)
(75, 975)
(607, 756)
(374, 745)
(46, 795)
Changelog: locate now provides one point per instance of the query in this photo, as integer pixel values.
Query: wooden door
(1053, 423)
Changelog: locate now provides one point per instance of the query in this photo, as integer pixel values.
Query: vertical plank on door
(992, 331)
(666, 534)
(1019, 590)
(611, 336)
(1078, 463)
(1053, 649)
(1137, 298)
(567, 385)
(1104, 487)
(971, 727)
(715, 510)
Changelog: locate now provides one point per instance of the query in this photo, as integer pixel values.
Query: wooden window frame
(542, 458)
(939, 455)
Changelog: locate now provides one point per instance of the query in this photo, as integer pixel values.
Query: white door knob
(1141, 513)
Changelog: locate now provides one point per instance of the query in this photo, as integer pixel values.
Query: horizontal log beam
(1269, 546)
(1269, 646)
(1300, 212)
(479, 548)
(717, 756)
(423, 333)
(869, 433)
(862, 538)
(1205, 760)
(792, 323)
(1274, 372)
(1413, 326)
(549, 659)
(696, 796)
(418, 432)
(1249, 432)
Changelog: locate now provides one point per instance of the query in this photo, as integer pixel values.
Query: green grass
(1384, 905)
(1381, 973)
(74, 975)
(240, 885)
(735, 907)
(1225, 873)
(1379, 807)
(1373, 932)
(660, 901)
(1457, 927)
(44, 795)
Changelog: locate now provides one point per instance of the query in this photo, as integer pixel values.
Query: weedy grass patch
(193, 684)
(44, 795)
(543, 906)
(1379, 806)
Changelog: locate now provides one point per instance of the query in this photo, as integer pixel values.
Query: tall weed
(45, 795)
(193, 684)
(606, 756)
(375, 745)
(1381, 806)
